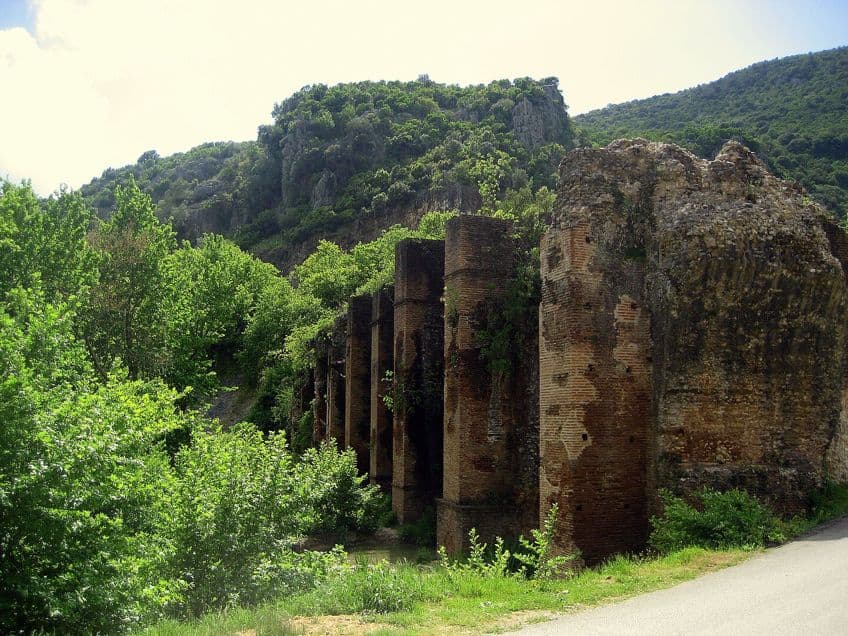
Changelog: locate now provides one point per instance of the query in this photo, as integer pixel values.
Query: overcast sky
(89, 84)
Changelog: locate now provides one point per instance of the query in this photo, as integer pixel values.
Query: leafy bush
(421, 532)
(533, 559)
(715, 520)
(332, 496)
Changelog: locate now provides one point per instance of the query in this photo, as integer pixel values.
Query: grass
(431, 600)
(404, 599)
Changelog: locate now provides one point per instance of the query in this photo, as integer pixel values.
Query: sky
(90, 84)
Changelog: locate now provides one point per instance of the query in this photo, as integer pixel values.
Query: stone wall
(595, 376)
(357, 421)
(486, 416)
(692, 334)
(418, 380)
(382, 362)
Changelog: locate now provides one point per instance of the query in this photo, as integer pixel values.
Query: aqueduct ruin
(691, 331)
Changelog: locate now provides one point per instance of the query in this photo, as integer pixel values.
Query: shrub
(715, 520)
(536, 556)
(234, 517)
(421, 532)
(332, 496)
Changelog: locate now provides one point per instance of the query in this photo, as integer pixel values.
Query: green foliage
(125, 320)
(335, 154)
(421, 532)
(212, 292)
(237, 514)
(332, 497)
(715, 519)
(791, 111)
(534, 559)
(84, 483)
(43, 243)
(366, 588)
(118, 505)
(536, 555)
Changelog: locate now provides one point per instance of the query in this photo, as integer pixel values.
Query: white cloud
(101, 81)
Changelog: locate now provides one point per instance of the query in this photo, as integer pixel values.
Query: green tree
(43, 243)
(126, 318)
(84, 482)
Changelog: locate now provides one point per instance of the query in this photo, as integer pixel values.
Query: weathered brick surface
(358, 381)
(487, 482)
(418, 360)
(595, 393)
(319, 403)
(382, 361)
(336, 382)
(692, 323)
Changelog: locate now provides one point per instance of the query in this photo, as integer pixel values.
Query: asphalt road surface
(798, 588)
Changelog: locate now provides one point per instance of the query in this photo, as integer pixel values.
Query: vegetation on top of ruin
(791, 111)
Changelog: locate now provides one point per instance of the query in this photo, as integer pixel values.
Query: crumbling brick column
(335, 382)
(418, 379)
(382, 361)
(358, 380)
(595, 388)
(483, 480)
(319, 403)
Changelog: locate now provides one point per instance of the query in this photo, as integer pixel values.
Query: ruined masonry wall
(482, 480)
(595, 394)
(382, 361)
(692, 333)
(418, 377)
(357, 421)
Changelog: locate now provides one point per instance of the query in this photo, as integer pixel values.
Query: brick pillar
(481, 475)
(382, 360)
(418, 358)
(336, 383)
(357, 420)
(319, 403)
(595, 392)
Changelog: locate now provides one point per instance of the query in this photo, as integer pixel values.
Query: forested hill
(346, 161)
(793, 111)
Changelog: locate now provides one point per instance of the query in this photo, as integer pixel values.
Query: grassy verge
(405, 599)
(431, 600)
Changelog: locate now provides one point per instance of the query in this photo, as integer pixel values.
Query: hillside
(792, 111)
(344, 162)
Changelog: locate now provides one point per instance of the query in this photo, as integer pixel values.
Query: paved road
(798, 588)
